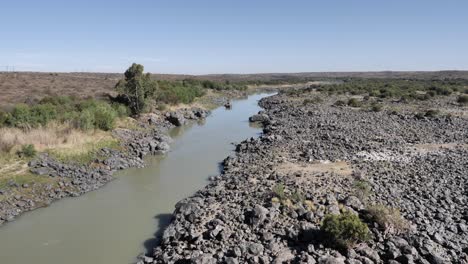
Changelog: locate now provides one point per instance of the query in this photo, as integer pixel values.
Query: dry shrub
(389, 219)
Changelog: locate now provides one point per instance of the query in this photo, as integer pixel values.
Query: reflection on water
(117, 222)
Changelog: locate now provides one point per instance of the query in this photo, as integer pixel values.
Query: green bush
(43, 113)
(432, 113)
(376, 107)
(362, 190)
(27, 151)
(175, 93)
(3, 118)
(104, 117)
(353, 102)
(121, 110)
(86, 120)
(345, 230)
(87, 114)
(20, 116)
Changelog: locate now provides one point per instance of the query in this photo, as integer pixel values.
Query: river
(117, 222)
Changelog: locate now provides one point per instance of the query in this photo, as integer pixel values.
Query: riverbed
(120, 221)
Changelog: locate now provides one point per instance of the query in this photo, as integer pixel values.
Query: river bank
(404, 174)
(71, 179)
(125, 213)
(55, 179)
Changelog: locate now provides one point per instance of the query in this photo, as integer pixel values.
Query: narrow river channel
(116, 223)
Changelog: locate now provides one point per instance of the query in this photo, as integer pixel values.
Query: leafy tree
(137, 88)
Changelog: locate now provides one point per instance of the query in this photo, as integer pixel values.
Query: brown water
(118, 222)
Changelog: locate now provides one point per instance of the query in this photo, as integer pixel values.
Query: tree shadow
(163, 221)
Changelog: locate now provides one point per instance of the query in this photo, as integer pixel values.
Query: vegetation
(353, 102)
(340, 103)
(362, 190)
(279, 191)
(27, 151)
(345, 230)
(178, 92)
(432, 113)
(281, 196)
(376, 107)
(136, 88)
(396, 88)
(389, 219)
(313, 100)
(84, 153)
(84, 114)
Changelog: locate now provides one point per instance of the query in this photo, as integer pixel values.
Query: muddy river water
(119, 221)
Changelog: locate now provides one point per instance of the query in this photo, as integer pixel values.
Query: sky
(241, 36)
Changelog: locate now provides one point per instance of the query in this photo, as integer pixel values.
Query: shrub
(121, 110)
(463, 99)
(279, 191)
(27, 151)
(432, 113)
(389, 219)
(20, 116)
(362, 190)
(297, 197)
(340, 103)
(86, 120)
(161, 107)
(376, 107)
(3, 118)
(353, 102)
(104, 117)
(43, 113)
(176, 93)
(345, 230)
(314, 100)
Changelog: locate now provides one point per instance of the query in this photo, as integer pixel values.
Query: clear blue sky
(216, 36)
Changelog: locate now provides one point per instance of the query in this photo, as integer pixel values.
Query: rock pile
(268, 204)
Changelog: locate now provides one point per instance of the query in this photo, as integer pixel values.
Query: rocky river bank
(317, 159)
(71, 180)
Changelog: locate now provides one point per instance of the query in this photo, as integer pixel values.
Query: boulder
(176, 118)
(259, 118)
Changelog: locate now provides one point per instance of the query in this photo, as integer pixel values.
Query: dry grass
(389, 219)
(50, 137)
(59, 140)
(84, 153)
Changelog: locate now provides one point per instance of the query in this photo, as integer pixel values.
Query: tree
(137, 88)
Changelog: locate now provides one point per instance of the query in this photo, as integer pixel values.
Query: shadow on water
(163, 221)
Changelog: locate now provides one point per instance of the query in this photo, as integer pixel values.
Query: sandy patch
(426, 148)
(310, 169)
